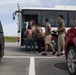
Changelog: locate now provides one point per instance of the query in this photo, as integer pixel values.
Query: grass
(10, 39)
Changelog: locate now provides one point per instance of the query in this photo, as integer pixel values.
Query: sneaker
(62, 53)
(53, 53)
(44, 54)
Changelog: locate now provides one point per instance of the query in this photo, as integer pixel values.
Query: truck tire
(71, 60)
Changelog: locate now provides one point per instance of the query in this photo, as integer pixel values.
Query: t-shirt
(60, 24)
(38, 32)
(48, 29)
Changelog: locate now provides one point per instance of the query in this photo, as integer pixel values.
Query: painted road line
(31, 56)
(32, 66)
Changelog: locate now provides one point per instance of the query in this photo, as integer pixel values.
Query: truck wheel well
(69, 45)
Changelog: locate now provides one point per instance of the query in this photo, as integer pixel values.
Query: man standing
(61, 35)
(75, 22)
(48, 37)
(39, 37)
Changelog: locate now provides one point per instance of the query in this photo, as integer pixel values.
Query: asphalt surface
(17, 62)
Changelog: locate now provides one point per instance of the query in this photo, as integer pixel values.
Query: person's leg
(26, 46)
(30, 45)
(49, 39)
(46, 43)
(46, 47)
(63, 43)
(27, 43)
(50, 44)
(39, 44)
(52, 47)
(59, 44)
(33, 44)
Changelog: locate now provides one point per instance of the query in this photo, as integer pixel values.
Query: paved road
(17, 62)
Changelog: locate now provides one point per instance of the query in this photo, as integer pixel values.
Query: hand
(55, 31)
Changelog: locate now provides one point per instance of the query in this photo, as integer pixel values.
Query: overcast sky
(7, 7)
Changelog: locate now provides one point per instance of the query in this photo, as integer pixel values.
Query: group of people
(34, 36)
(61, 37)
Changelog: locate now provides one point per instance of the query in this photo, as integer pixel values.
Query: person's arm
(63, 27)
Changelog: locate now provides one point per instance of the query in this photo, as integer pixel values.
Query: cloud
(22, 2)
(8, 2)
(57, 0)
(7, 7)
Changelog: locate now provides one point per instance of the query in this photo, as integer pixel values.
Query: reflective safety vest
(40, 30)
(30, 33)
(33, 28)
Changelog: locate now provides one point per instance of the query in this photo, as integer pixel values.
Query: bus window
(60, 13)
(71, 16)
(49, 15)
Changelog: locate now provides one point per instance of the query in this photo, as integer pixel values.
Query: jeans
(28, 42)
(34, 43)
(39, 41)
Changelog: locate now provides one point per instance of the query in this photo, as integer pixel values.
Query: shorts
(48, 39)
